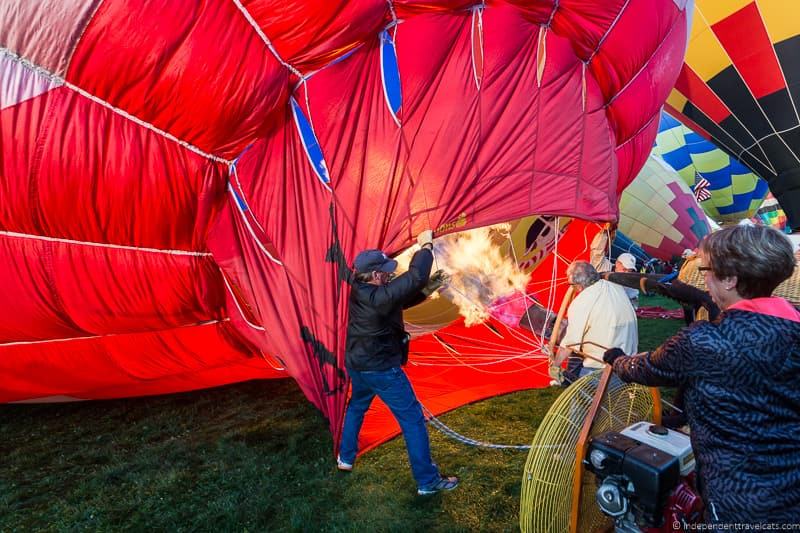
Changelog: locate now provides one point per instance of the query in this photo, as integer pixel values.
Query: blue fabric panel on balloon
(736, 189)
(741, 202)
(622, 244)
(667, 122)
(390, 72)
(697, 144)
(719, 179)
(738, 168)
(735, 207)
(678, 159)
(700, 227)
(761, 190)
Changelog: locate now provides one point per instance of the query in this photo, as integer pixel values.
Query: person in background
(600, 316)
(688, 254)
(377, 347)
(741, 375)
(627, 263)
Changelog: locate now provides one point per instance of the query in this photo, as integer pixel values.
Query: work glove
(426, 237)
(612, 354)
(435, 282)
(556, 375)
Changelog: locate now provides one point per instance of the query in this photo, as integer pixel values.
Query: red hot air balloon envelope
(168, 224)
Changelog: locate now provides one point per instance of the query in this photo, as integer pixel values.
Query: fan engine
(645, 478)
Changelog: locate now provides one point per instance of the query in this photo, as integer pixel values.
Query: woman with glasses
(741, 375)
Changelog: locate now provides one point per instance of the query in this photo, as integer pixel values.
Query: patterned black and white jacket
(742, 379)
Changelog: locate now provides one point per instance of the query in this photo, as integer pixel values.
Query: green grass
(253, 457)
(654, 331)
(658, 301)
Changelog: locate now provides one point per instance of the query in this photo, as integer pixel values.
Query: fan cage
(548, 478)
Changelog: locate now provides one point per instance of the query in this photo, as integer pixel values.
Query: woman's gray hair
(583, 274)
(760, 257)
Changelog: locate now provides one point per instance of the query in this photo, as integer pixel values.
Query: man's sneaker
(444, 483)
(341, 465)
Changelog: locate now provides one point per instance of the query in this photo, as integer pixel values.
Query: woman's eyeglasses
(705, 269)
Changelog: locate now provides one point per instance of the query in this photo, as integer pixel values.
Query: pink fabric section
(18, 83)
(636, 80)
(45, 32)
(772, 306)
(633, 153)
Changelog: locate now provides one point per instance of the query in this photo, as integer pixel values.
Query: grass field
(253, 457)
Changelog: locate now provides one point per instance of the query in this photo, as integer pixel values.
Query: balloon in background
(736, 192)
(771, 214)
(659, 211)
(739, 87)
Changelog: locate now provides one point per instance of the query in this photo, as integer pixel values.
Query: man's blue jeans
(391, 386)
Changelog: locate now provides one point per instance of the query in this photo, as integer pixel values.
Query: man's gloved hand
(556, 375)
(435, 282)
(426, 237)
(439, 277)
(612, 354)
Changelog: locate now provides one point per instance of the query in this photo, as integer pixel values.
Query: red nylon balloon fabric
(162, 227)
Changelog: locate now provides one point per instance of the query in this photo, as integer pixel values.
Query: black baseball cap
(374, 260)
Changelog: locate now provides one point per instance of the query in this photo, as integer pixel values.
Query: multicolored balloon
(770, 213)
(659, 211)
(736, 192)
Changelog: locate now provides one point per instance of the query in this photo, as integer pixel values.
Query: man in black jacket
(377, 346)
